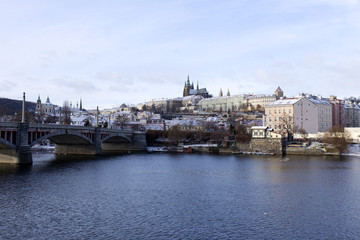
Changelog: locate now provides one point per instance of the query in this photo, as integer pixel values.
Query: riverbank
(293, 149)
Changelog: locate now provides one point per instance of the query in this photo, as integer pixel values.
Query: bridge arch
(116, 136)
(7, 144)
(64, 138)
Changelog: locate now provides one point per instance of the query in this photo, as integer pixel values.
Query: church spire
(220, 93)
(197, 85)
(188, 80)
(81, 104)
(228, 93)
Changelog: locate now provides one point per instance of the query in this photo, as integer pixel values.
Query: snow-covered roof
(223, 97)
(259, 127)
(259, 96)
(287, 101)
(154, 127)
(354, 106)
(319, 101)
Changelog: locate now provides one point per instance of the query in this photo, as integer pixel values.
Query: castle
(189, 90)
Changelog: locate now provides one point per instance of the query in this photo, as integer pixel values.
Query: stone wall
(267, 145)
(243, 147)
(303, 151)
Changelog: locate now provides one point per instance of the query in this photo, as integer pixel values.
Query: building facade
(222, 104)
(324, 113)
(338, 111)
(352, 115)
(291, 115)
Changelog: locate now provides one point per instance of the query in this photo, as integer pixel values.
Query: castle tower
(279, 93)
(220, 93)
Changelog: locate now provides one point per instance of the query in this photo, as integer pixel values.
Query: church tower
(38, 105)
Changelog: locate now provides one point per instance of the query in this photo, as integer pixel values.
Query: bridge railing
(9, 124)
(60, 127)
(52, 127)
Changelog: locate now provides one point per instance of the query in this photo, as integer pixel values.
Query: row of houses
(310, 113)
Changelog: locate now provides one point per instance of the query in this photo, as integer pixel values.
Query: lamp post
(59, 115)
(23, 109)
(97, 116)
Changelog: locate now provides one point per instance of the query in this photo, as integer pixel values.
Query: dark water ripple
(160, 196)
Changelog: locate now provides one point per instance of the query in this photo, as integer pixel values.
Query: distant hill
(10, 106)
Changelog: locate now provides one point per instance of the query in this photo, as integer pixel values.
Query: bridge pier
(23, 149)
(74, 149)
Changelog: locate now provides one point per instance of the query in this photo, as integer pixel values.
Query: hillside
(10, 106)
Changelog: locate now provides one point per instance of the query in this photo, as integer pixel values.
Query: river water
(183, 196)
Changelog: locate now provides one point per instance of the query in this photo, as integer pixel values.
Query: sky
(111, 52)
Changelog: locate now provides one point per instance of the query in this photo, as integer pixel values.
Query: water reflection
(6, 168)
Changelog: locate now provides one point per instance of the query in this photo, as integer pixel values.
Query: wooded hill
(10, 106)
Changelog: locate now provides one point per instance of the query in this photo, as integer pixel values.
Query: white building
(324, 112)
(291, 115)
(263, 132)
(222, 104)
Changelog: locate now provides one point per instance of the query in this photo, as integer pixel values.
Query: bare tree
(29, 117)
(286, 125)
(259, 108)
(66, 113)
(336, 138)
(51, 119)
(175, 134)
(303, 133)
(39, 117)
(241, 133)
(121, 120)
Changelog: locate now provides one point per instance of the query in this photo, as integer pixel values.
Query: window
(284, 111)
(275, 111)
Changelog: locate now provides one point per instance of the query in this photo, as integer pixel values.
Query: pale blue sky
(113, 51)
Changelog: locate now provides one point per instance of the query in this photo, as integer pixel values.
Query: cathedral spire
(228, 93)
(220, 93)
(197, 85)
(80, 104)
(188, 80)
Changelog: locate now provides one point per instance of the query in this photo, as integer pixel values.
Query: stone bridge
(16, 140)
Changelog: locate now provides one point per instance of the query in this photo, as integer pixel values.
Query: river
(181, 196)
